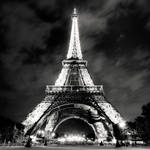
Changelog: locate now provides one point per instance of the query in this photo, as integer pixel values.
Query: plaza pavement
(55, 147)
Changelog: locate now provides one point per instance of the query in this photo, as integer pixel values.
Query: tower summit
(74, 51)
(74, 98)
(74, 71)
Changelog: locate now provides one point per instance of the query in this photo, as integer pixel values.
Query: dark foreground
(55, 147)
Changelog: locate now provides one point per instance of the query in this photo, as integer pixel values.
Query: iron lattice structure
(74, 95)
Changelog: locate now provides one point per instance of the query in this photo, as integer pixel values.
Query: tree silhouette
(142, 124)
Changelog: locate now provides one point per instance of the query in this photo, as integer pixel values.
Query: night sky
(34, 38)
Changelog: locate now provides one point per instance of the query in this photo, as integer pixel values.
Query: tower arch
(79, 127)
(87, 113)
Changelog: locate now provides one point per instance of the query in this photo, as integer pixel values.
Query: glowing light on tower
(122, 125)
(74, 45)
(72, 138)
(74, 69)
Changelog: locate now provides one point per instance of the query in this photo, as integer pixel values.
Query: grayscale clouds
(114, 35)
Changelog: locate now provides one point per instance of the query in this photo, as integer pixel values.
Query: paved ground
(72, 148)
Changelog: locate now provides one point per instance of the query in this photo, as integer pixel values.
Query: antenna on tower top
(74, 12)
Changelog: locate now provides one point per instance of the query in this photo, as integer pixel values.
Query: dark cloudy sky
(34, 35)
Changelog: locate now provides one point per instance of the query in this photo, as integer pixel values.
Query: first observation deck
(52, 89)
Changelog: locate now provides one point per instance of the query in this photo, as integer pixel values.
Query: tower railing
(74, 88)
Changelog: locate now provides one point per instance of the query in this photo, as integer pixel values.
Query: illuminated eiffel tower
(74, 101)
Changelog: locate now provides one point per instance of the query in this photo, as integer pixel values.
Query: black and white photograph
(74, 75)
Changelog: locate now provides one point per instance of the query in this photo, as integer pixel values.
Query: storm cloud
(114, 37)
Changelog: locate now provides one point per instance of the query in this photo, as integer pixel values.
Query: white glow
(74, 45)
(86, 77)
(53, 134)
(62, 140)
(122, 125)
(102, 133)
(72, 138)
(34, 138)
(62, 77)
(50, 124)
(41, 132)
(113, 115)
(35, 114)
(114, 140)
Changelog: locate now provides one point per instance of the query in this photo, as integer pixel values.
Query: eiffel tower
(73, 101)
